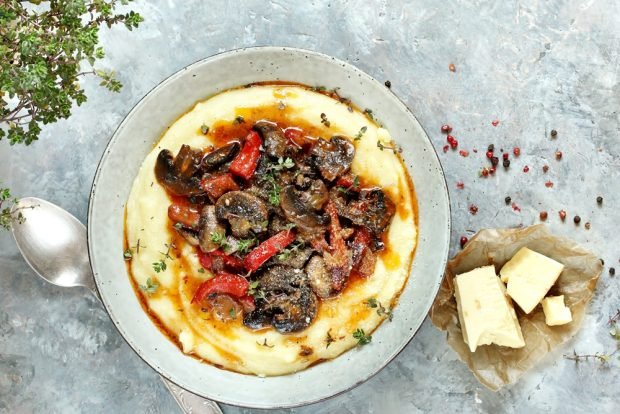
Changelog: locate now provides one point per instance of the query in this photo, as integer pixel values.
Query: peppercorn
(562, 214)
(507, 200)
(463, 241)
(554, 133)
(494, 161)
(577, 219)
(602, 262)
(526, 169)
(506, 163)
(558, 155)
(446, 129)
(599, 200)
(612, 271)
(505, 155)
(543, 215)
(516, 151)
(491, 148)
(452, 67)
(545, 168)
(492, 170)
(587, 225)
(388, 84)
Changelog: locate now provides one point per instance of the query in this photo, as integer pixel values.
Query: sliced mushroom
(333, 157)
(209, 225)
(178, 174)
(245, 212)
(372, 209)
(319, 277)
(316, 196)
(189, 235)
(274, 141)
(220, 156)
(303, 215)
(289, 304)
(224, 307)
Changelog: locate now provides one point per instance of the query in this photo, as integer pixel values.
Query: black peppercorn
(554, 133)
(599, 200)
(388, 84)
(506, 163)
(612, 271)
(577, 219)
(491, 148)
(494, 161)
(507, 200)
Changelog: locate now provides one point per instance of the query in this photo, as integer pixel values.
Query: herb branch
(286, 253)
(381, 310)
(42, 50)
(219, 239)
(362, 338)
(10, 210)
(265, 344)
(394, 147)
(161, 265)
(361, 133)
(150, 287)
(329, 339)
(601, 357)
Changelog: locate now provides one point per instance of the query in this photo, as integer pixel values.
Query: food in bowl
(272, 227)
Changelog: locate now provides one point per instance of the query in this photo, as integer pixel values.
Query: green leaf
(362, 338)
(150, 287)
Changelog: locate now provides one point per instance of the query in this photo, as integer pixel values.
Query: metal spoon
(53, 243)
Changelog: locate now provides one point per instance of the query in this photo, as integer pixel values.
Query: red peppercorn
(505, 155)
(543, 215)
(464, 240)
(449, 138)
(446, 128)
(562, 214)
(446, 148)
(545, 168)
(558, 155)
(460, 185)
(526, 169)
(549, 184)
(454, 144)
(495, 123)
(492, 170)
(484, 172)
(516, 151)
(473, 209)
(489, 154)
(464, 153)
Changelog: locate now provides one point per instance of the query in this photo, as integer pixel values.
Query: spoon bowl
(53, 242)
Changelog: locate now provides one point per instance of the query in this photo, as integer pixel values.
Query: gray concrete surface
(533, 65)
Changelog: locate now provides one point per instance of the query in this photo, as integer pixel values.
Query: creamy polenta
(167, 271)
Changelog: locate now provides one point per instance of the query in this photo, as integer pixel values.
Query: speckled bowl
(135, 138)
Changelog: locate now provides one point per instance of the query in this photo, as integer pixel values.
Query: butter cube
(530, 275)
(556, 313)
(485, 312)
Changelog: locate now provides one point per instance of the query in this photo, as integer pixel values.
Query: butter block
(556, 313)
(485, 312)
(530, 275)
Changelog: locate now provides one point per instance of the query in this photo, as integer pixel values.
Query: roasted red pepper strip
(268, 249)
(233, 285)
(246, 161)
(231, 262)
(181, 212)
(218, 185)
(205, 259)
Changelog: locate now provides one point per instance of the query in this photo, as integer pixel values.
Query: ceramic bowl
(135, 138)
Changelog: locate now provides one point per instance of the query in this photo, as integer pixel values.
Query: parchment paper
(495, 366)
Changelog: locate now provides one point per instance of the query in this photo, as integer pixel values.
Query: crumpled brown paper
(495, 366)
